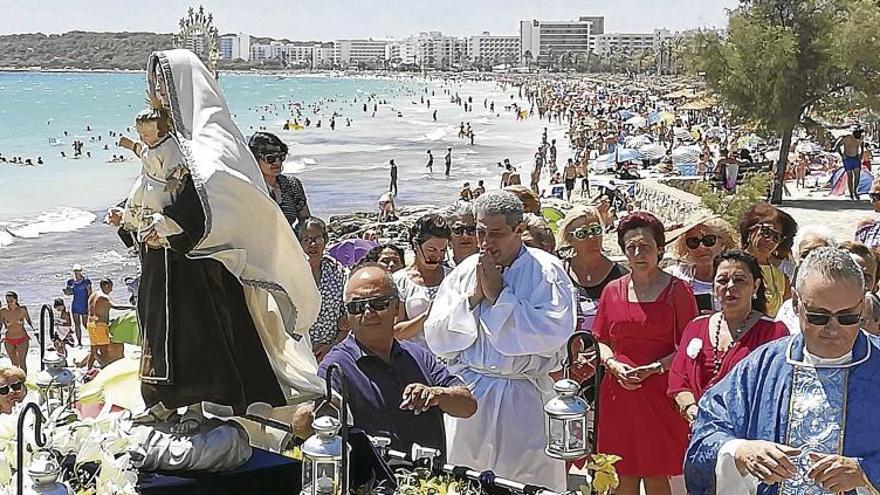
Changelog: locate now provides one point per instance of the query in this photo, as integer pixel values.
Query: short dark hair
(106, 281)
(427, 227)
(12, 295)
(305, 223)
(372, 255)
(260, 141)
(759, 303)
(57, 302)
(639, 220)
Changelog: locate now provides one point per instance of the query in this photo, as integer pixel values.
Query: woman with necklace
(579, 245)
(712, 345)
(761, 232)
(638, 325)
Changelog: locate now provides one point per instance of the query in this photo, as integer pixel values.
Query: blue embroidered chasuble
(775, 395)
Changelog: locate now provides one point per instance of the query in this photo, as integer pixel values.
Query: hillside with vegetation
(81, 50)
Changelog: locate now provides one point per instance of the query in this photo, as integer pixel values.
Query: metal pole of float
(474, 475)
(43, 311)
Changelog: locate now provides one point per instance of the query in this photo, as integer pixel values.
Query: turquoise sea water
(50, 214)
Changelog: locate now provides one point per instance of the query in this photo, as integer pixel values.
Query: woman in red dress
(638, 324)
(712, 345)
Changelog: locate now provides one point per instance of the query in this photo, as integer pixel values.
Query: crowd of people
(452, 338)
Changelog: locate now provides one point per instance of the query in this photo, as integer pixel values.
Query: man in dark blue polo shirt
(395, 389)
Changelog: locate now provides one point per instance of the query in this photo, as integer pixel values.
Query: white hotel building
(235, 46)
(497, 49)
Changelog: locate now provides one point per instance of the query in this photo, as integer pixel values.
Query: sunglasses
(376, 304)
(707, 240)
(460, 230)
(822, 319)
(585, 232)
(874, 196)
(768, 232)
(275, 157)
(15, 387)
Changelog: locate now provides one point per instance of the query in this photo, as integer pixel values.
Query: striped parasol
(684, 155)
(652, 151)
(637, 141)
(682, 134)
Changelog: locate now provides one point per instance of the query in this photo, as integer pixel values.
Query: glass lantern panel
(556, 435)
(307, 474)
(575, 434)
(326, 477)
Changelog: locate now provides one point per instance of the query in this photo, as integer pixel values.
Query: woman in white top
(700, 241)
(417, 284)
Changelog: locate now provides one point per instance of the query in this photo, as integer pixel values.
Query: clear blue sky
(332, 19)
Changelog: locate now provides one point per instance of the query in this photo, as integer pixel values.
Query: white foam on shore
(61, 219)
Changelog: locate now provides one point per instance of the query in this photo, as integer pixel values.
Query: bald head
(369, 280)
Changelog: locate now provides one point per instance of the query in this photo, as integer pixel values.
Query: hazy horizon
(324, 21)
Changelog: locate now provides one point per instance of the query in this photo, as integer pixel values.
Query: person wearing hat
(80, 287)
(695, 245)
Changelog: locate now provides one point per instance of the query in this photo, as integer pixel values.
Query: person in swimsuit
(851, 148)
(13, 318)
(100, 305)
(63, 334)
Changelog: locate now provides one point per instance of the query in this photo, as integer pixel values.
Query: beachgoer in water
(392, 188)
(430, 165)
(448, 160)
(80, 288)
(13, 317)
(386, 208)
(466, 194)
(479, 190)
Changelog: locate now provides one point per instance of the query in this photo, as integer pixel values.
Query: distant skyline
(336, 19)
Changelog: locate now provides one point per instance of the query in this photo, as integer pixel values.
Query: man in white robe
(798, 415)
(502, 319)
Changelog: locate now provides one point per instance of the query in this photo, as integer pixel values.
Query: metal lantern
(43, 473)
(57, 384)
(568, 413)
(325, 454)
(322, 458)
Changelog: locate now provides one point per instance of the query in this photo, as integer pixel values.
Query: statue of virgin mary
(226, 296)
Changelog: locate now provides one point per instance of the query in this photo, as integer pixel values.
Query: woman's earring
(754, 295)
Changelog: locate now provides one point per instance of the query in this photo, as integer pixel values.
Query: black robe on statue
(198, 336)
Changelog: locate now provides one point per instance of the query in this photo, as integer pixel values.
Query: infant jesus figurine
(162, 177)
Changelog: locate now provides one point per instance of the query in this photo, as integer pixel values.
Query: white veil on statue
(244, 228)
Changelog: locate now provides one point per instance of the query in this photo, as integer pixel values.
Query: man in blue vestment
(798, 415)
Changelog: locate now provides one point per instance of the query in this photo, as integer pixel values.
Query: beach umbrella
(619, 156)
(837, 181)
(637, 121)
(653, 118)
(652, 151)
(682, 134)
(351, 251)
(749, 141)
(686, 155)
(636, 142)
(624, 114)
(667, 117)
(808, 147)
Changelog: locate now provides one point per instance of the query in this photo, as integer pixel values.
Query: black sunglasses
(460, 230)
(768, 232)
(376, 304)
(874, 196)
(15, 387)
(822, 319)
(274, 157)
(707, 240)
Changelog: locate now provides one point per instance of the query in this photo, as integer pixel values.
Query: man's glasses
(15, 387)
(585, 232)
(768, 232)
(275, 157)
(460, 230)
(822, 319)
(376, 304)
(707, 240)
(875, 196)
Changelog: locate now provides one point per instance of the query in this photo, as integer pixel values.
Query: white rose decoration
(694, 347)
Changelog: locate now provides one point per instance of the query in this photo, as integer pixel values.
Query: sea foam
(61, 219)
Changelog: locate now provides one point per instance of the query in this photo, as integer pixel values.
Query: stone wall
(671, 204)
